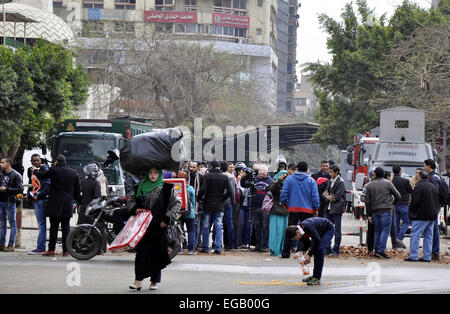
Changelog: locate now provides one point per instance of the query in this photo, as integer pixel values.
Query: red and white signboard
(229, 20)
(180, 187)
(170, 17)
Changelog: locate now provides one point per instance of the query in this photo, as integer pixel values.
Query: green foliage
(358, 73)
(39, 87)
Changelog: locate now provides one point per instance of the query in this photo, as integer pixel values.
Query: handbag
(267, 202)
(132, 233)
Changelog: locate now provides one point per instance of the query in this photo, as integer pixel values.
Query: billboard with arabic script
(230, 20)
(170, 17)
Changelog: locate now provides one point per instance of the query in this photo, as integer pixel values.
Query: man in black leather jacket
(10, 186)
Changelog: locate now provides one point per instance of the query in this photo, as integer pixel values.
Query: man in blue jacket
(300, 195)
(315, 233)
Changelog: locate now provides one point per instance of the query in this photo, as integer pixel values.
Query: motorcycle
(88, 240)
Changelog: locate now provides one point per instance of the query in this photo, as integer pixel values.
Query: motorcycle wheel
(83, 250)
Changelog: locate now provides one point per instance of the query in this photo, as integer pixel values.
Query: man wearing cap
(65, 188)
(315, 234)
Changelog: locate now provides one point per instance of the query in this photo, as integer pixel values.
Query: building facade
(286, 47)
(305, 100)
(245, 28)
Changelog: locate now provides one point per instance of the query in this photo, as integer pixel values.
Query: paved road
(241, 273)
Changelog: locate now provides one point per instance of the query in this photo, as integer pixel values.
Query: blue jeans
(436, 237)
(228, 221)
(420, 227)
(401, 213)
(191, 230)
(218, 227)
(246, 227)
(7, 213)
(320, 254)
(337, 221)
(42, 225)
(382, 223)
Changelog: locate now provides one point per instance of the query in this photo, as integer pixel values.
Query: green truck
(83, 141)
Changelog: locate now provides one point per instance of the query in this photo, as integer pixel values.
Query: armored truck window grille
(401, 124)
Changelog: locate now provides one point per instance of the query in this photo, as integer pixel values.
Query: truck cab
(81, 148)
(85, 141)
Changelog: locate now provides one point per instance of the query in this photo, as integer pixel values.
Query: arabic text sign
(229, 20)
(170, 17)
(103, 14)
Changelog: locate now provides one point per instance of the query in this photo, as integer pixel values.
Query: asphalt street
(240, 272)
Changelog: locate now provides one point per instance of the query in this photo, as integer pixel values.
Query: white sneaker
(153, 286)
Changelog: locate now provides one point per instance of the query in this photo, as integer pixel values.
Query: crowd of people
(243, 208)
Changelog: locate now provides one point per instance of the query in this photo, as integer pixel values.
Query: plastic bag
(132, 232)
(153, 150)
(301, 260)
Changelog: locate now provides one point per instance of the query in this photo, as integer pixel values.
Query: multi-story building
(285, 46)
(305, 100)
(245, 28)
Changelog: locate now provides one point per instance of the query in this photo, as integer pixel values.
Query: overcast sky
(311, 44)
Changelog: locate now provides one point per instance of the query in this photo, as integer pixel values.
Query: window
(90, 4)
(185, 28)
(203, 28)
(228, 31)
(260, 3)
(125, 4)
(258, 31)
(163, 27)
(236, 7)
(190, 5)
(124, 27)
(93, 29)
(240, 32)
(57, 4)
(164, 5)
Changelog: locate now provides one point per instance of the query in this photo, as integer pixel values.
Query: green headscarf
(147, 186)
(279, 174)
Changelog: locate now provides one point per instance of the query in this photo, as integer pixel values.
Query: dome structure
(47, 26)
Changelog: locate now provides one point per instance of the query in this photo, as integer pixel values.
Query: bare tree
(422, 76)
(179, 80)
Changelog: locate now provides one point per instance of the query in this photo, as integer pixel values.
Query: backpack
(443, 191)
(267, 202)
